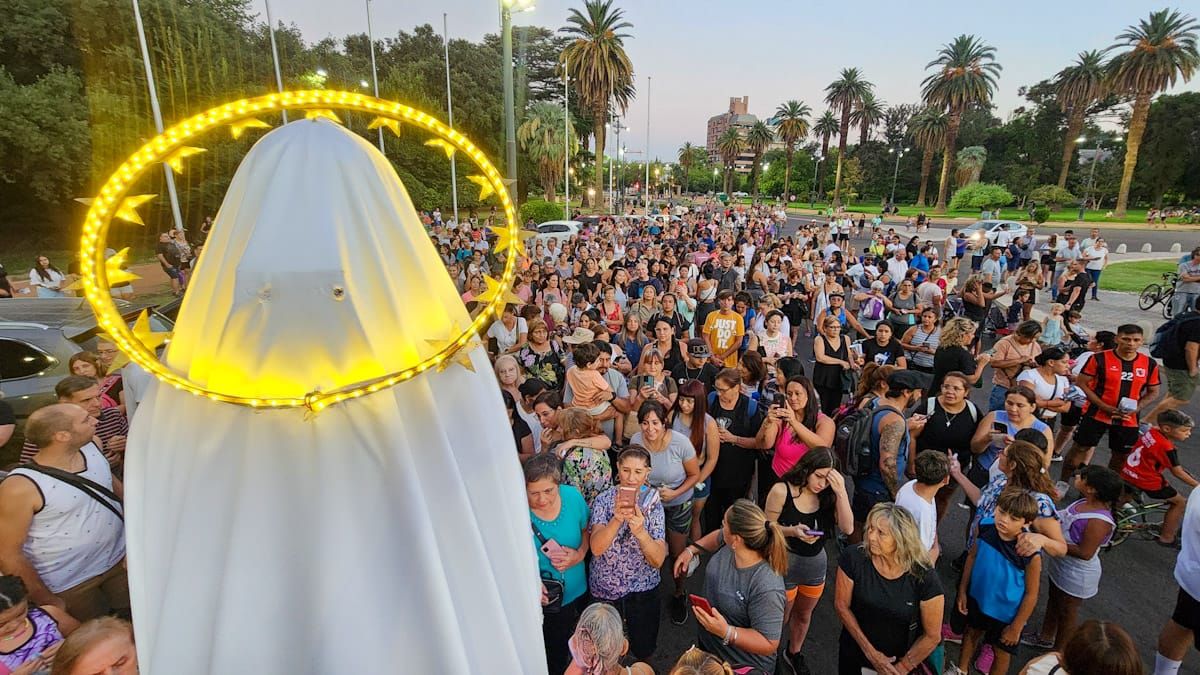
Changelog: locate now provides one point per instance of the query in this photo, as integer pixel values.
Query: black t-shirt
(169, 253)
(948, 360)
(588, 285)
(886, 355)
(6, 414)
(885, 608)
(706, 373)
(948, 431)
(1081, 281)
(735, 465)
(1188, 331)
(520, 429)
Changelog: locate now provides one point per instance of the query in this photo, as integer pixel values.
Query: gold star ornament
(385, 123)
(494, 291)
(175, 159)
(460, 356)
(485, 186)
(144, 333)
(318, 113)
(236, 129)
(127, 211)
(113, 271)
(506, 242)
(439, 143)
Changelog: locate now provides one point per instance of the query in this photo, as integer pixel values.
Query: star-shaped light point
(127, 211)
(145, 334)
(385, 123)
(439, 143)
(485, 186)
(495, 290)
(175, 159)
(237, 128)
(506, 242)
(461, 357)
(318, 113)
(113, 271)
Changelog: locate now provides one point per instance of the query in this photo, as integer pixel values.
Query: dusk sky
(702, 52)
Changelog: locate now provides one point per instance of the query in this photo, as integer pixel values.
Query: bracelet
(728, 635)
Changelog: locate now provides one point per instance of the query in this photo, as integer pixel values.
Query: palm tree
(1161, 50)
(730, 145)
(541, 137)
(1077, 87)
(928, 129)
(969, 164)
(966, 76)
(597, 63)
(757, 140)
(870, 111)
(791, 123)
(687, 158)
(844, 94)
(825, 127)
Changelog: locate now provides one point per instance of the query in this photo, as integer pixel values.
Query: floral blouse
(587, 469)
(546, 367)
(623, 569)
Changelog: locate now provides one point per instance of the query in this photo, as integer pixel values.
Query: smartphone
(551, 547)
(626, 497)
(650, 381)
(1000, 428)
(814, 533)
(700, 602)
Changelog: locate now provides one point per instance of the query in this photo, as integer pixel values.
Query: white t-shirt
(897, 268)
(1044, 389)
(504, 337)
(1187, 564)
(925, 513)
(1098, 255)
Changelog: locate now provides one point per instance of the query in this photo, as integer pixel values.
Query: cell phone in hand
(813, 533)
(626, 497)
(700, 602)
(551, 547)
(1000, 428)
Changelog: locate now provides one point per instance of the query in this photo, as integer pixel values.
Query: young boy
(591, 391)
(916, 496)
(1152, 454)
(999, 587)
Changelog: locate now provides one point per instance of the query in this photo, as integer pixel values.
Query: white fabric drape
(386, 534)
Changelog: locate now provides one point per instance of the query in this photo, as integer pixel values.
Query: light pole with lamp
(510, 120)
(275, 55)
(813, 195)
(895, 172)
(375, 73)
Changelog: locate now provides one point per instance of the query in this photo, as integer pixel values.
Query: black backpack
(853, 440)
(1165, 343)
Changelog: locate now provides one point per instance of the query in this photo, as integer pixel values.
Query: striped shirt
(1114, 378)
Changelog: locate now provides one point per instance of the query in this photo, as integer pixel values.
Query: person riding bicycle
(1153, 453)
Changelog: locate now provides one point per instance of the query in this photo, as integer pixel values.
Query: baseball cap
(698, 348)
(908, 379)
(580, 336)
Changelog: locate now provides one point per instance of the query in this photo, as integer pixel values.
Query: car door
(28, 373)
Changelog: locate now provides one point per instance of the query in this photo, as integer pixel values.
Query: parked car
(39, 335)
(990, 230)
(561, 230)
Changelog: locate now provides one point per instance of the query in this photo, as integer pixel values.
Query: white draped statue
(386, 534)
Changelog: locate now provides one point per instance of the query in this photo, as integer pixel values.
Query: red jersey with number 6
(1151, 455)
(1114, 378)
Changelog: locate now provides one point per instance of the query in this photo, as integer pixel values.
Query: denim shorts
(702, 489)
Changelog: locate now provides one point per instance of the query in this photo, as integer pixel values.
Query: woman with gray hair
(599, 643)
(886, 586)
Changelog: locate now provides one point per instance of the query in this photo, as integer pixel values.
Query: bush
(1052, 196)
(981, 196)
(1041, 214)
(540, 211)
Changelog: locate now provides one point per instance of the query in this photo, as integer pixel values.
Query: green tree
(544, 136)
(987, 196)
(1052, 196)
(1159, 51)
(596, 61)
(928, 129)
(757, 139)
(1171, 145)
(895, 122)
(965, 76)
(827, 125)
(1078, 86)
(689, 156)
(969, 164)
(791, 123)
(730, 144)
(869, 112)
(844, 94)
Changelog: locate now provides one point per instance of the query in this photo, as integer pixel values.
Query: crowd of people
(670, 423)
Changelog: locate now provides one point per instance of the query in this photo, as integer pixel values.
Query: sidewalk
(949, 221)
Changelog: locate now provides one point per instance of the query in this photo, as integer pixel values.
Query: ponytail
(760, 535)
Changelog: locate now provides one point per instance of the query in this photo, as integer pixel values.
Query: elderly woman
(807, 503)
(599, 643)
(832, 352)
(583, 451)
(743, 585)
(559, 516)
(885, 586)
(542, 357)
(628, 544)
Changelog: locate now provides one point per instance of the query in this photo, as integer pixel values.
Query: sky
(698, 54)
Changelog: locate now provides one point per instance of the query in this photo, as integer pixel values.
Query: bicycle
(1153, 294)
(1138, 519)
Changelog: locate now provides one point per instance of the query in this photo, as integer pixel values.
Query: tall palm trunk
(787, 177)
(1133, 143)
(862, 136)
(837, 179)
(754, 177)
(926, 167)
(821, 169)
(599, 115)
(1074, 127)
(948, 159)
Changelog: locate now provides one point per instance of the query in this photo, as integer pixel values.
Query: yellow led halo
(158, 149)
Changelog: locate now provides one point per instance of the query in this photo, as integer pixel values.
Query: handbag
(554, 587)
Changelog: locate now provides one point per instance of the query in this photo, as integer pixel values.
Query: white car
(562, 230)
(995, 232)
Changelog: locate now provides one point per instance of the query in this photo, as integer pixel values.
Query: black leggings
(641, 611)
(831, 399)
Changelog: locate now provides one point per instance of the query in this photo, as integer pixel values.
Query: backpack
(1166, 343)
(853, 439)
(873, 309)
(751, 404)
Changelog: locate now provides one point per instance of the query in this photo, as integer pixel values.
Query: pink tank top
(788, 450)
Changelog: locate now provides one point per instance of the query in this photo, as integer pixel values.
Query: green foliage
(1052, 196)
(1170, 152)
(541, 211)
(981, 196)
(1041, 214)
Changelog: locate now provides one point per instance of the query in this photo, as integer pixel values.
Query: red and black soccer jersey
(1151, 455)
(1114, 378)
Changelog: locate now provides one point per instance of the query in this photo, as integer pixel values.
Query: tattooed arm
(890, 434)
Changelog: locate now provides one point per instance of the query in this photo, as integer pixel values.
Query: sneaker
(1032, 639)
(953, 669)
(948, 635)
(679, 610)
(983, 662)
(1056, 458)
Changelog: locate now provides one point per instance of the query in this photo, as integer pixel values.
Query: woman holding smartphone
(998, 428)
(793, 426)
(628, 544)
(651, 383)
(807, 503)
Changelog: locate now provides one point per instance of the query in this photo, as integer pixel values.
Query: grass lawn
(1132, 277)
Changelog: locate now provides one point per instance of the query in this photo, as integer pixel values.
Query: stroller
(951, 308)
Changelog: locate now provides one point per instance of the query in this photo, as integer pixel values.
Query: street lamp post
(157, 113)
(510, 121)
(813, 195)
(895, 172)
(1091, 176)
(275, 55)
(449, 109)
(375, 73)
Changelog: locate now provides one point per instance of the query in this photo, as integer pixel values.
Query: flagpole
(374, 72)
(158, 123)
(275, 54)
(450, 115)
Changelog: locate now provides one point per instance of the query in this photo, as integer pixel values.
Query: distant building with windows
(737, 117)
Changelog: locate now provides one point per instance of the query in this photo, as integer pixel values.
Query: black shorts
(1187, 611)
(992, 628)
(843, 236)
(1162, 493)
(1120, 439)
(1071, 417)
